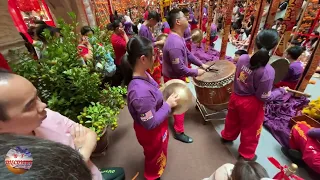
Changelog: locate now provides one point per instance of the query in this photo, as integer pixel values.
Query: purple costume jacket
(145, 32)
(175, 58)
(145, 102)
(187, 33)
(295, 71)
(258, 82)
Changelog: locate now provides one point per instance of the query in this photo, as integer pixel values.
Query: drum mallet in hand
(298, 92)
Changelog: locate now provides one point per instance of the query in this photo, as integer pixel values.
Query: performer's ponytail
(136, 47)
(265, 41)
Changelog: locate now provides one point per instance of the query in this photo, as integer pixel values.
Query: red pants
(291, 85)
(245, 116)
(309, 147)
(188, 44)
(178, 124)
(155, 146)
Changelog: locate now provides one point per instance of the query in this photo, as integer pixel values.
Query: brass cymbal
(196, 35)
(185, 95)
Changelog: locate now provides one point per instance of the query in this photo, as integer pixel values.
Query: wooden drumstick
(298, 92)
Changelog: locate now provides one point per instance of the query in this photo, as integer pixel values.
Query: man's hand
(84, 140)
(204, 66)
(200, 72)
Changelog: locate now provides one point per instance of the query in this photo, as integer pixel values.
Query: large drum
(280, 66)
(214, 87)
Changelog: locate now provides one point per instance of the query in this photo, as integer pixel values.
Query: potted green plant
(69, 87)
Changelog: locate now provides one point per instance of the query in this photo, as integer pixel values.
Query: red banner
(28, 5)
(226, 30)
(273, 8)
(289, 22)
(255, 28)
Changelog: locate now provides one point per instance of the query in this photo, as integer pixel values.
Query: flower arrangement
(67, 86)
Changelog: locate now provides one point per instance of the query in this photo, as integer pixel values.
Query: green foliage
(69, 87)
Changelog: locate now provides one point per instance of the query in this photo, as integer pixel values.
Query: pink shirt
(55, 128)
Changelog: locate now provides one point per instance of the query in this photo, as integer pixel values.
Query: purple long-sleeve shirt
(187, 33)
(145, 102)
(294, 72)
(176, 57)
(145, 32)
(314, 133)
(258, 82)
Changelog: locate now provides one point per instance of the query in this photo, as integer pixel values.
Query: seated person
(237, 54)
(304, 146)
(234, 36)
(23, 113)
(242, 170)
(295, 68)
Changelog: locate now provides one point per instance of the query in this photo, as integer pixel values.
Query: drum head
(280, 66)
(224, 69)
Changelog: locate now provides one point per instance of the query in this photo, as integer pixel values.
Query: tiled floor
(268, 146)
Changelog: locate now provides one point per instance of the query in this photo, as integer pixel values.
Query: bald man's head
(21, 110)
(4, 78)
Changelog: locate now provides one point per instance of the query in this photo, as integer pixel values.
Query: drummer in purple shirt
(295, 68)
(146, 106)
(145, 29)
(252, 88)
(175, 62)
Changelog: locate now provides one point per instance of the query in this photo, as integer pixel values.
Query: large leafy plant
(69, 87)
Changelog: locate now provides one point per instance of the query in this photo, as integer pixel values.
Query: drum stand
(210, 115)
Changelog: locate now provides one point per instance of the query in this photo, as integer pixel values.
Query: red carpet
(185, 161)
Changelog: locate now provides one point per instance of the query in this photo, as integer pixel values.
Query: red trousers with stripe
(155, 147)
(178, 124)
(309, 147)
(245, 116)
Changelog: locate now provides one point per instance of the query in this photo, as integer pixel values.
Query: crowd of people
(23, 114)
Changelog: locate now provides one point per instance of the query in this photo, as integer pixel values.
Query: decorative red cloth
(28, 5)
(155, 146)
(3, 63)
(281, 175)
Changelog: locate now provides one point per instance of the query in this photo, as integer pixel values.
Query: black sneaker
(183, 138)
(224, 141)
(246, 159)
(294, 155)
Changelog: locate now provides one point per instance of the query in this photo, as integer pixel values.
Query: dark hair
(265, 41)
(54, 30)
(295, 52)
(185, 10)
(154, 15)
(85, 29)
(40, 22)
(109, 27)
(49, 159)
(280, 19)
(172, 17)
(116, 24)
(31, 31)
(241, 52)
(5, 75)
(136, 47)
(39, 32)
(248, 170)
